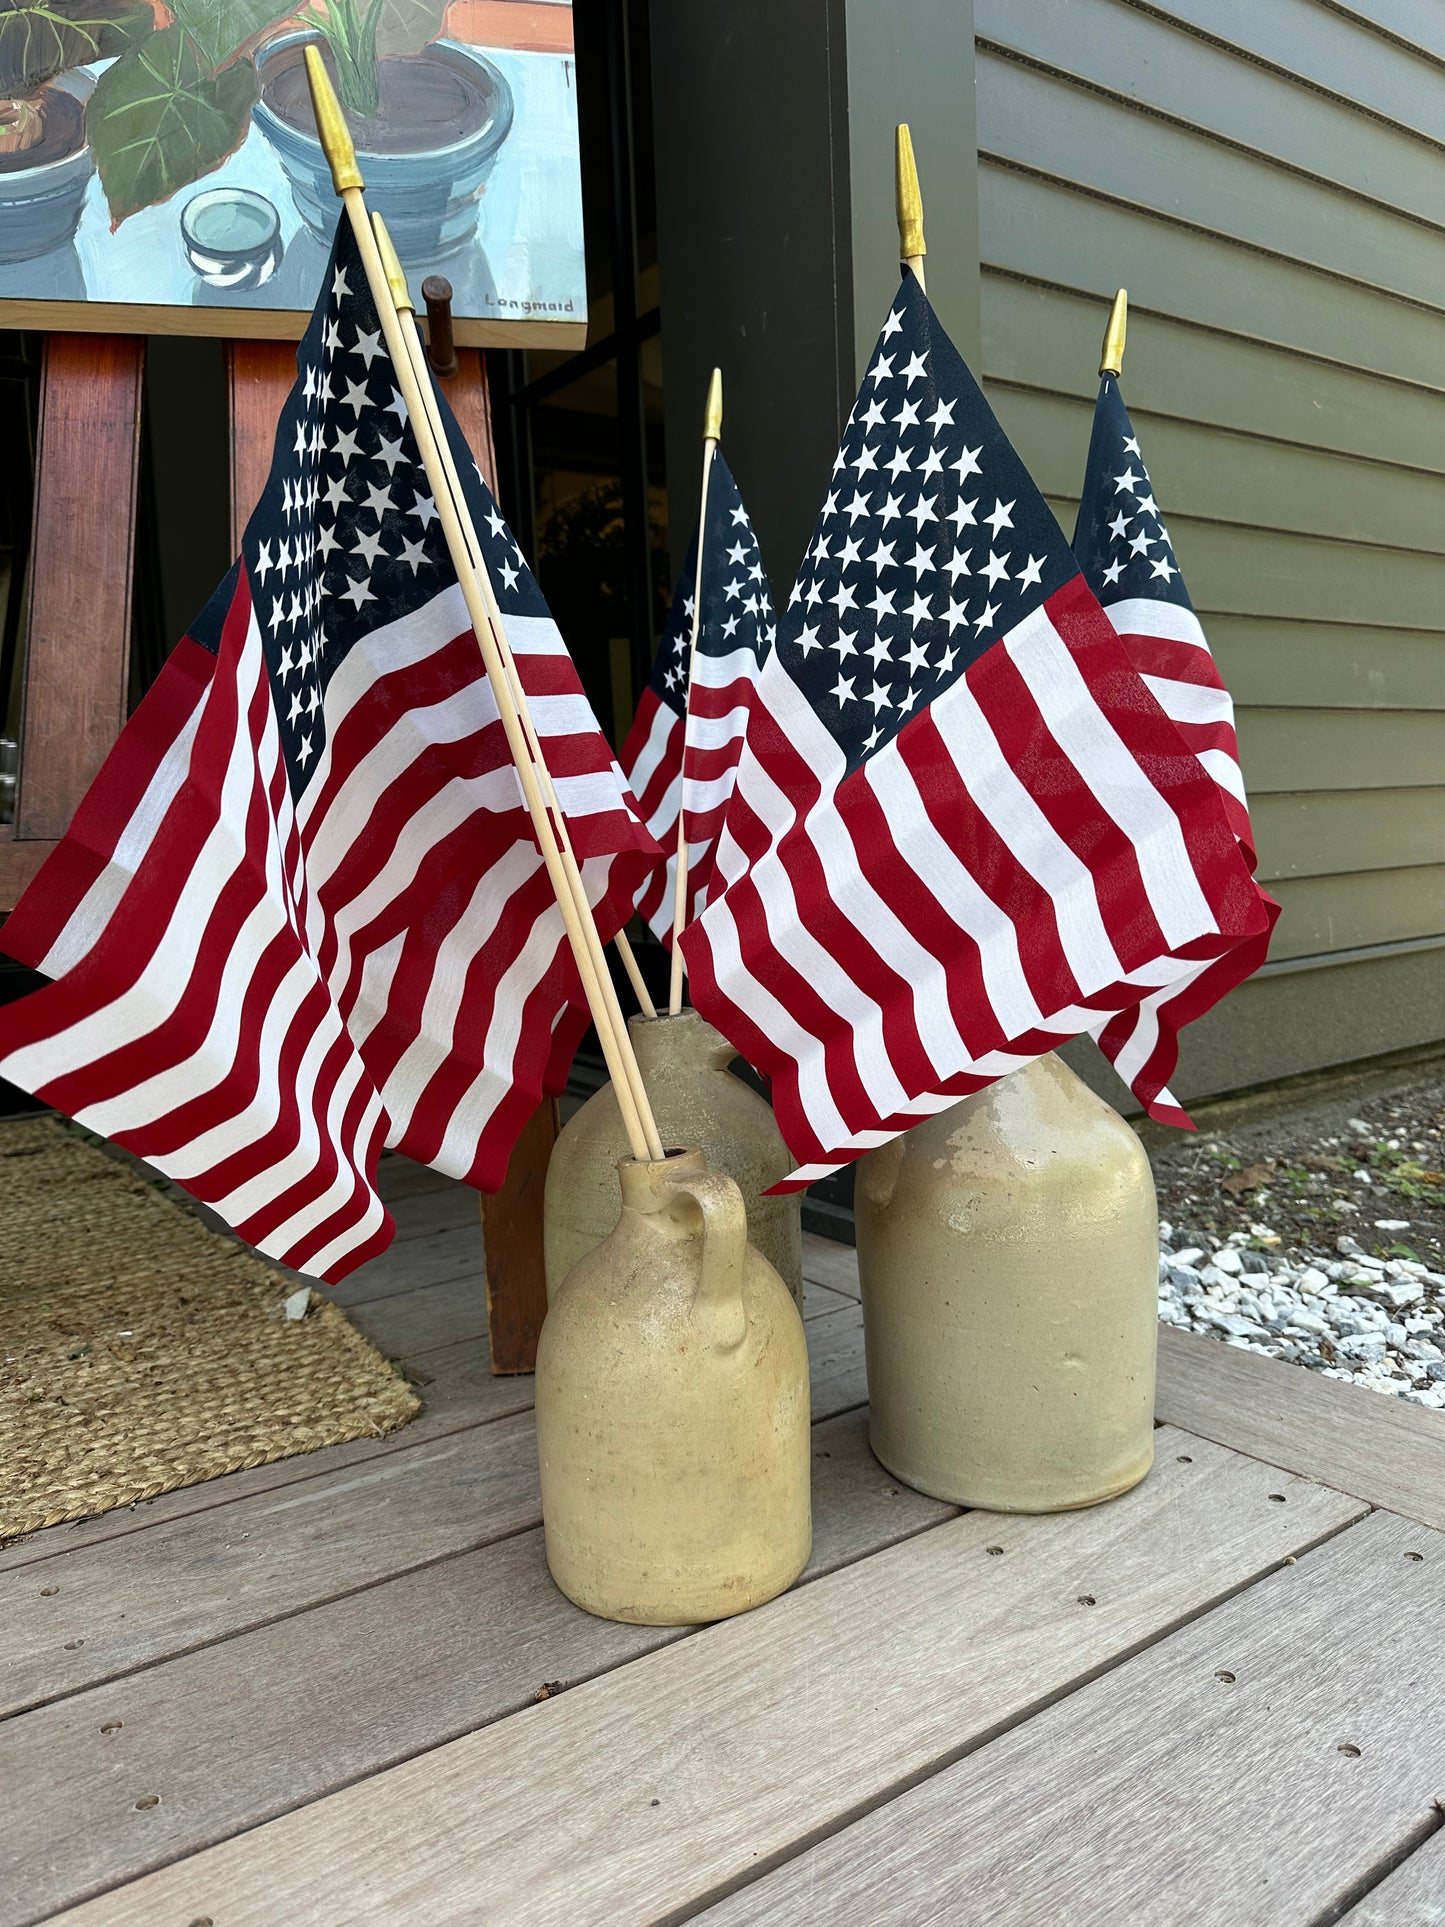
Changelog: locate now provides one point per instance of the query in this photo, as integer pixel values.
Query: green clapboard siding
(1353, 912)
(1268, 180)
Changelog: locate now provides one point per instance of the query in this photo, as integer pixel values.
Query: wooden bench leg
(512, 1236)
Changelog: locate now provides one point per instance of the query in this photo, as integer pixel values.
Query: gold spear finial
(331, 128)
(391, 263)
(910, 201)
(1112, 360)
(712, 415)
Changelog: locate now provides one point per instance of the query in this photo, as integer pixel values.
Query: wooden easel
(78, 659)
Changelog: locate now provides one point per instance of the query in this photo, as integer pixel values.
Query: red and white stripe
(256, 999)
(668, 775)
(1013, 866)
(1166, 644)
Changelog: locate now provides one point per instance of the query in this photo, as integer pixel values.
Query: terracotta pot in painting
(426, 154)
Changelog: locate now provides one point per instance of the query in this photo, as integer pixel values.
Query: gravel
(1316, 1235)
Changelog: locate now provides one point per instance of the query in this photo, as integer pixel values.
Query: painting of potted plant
(110, 110)
(45, 156)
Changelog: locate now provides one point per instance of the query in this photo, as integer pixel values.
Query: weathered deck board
(830, 1263)
(354, 1687)
(756, 1733)
(428, 1261)
(1412, 1896)
(1202, 1785)
(1377, 1448)
(139, 1598)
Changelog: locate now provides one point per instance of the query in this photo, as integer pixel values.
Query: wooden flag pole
(1111, 361)
(401, 296)
(911, 246)
(711, 436)
(616, 1045)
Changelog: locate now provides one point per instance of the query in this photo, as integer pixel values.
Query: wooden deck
(343, 1689)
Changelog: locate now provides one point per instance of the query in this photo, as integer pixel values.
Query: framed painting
(160, 171)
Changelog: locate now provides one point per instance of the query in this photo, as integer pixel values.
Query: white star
(871, 738)
(882, 603)
(921, 561)
(980, 623)
(880, 371)
(844, 646)
(397, 405)
(915, 371)
(1000, 517)
(346, 445)
(264, 564)
(1131, 445)
(277, 615)
(729, 628)
(738, 552)
(844, 599)
(368, 347)
(847, 554)
(918, 610)
(957, 564)
(333, 337)
(808, 640)
(740, 517)
(819, 551)
(1126, 481)
(326, 541)
(1113, 572)
(1147, 505)
(1162, 567)
(294, 712)
(297, 609)
(339, 284)
(967, 463)
(932, 465)
(300, 448)
(1141, 543)
(866, 461)
(813, 595)
(1030, 575)
(424, 509)
(309, 388)
(378, 499)
(389, 452)
(872, 415)
(830, 504)
(358, 592)
(996, 569)
(335, 492)
(732, 590)
(303, 755)
(368, 546)
(962, 514)
(858, 506)
(842, 690)
(907, 416)
(355, 398)
(897, 463)
(942, 416)
(923, 510)
(1118, 526)
(286, 664)
(283, 557)
(917, 655)
(893, 324)
(890, 510)
(880, 695)
(879, 650)
(509, 575)
(954, 614)
(945, 662)
(882, 556)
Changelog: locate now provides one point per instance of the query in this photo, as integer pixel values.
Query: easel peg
(441, 352)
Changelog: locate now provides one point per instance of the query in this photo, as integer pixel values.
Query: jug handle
(718, 1305)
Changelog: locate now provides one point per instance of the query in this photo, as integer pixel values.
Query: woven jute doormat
(141, 1351)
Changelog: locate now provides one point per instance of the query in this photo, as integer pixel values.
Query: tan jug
(1008, 1251)
(696, 1100)
(672, 1411)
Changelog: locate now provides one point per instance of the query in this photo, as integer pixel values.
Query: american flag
(301, 912)
(962, 829)
(735, 631)
(1124, 550)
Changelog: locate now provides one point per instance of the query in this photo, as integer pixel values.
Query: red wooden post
(77, 656)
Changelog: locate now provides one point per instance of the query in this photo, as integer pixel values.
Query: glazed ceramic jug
(672, 1410)
(696, 1100)
(1008, 1252)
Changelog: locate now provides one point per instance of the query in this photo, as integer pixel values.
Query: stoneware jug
(1009, 1259)
(696, 1100)
(672, 1410)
